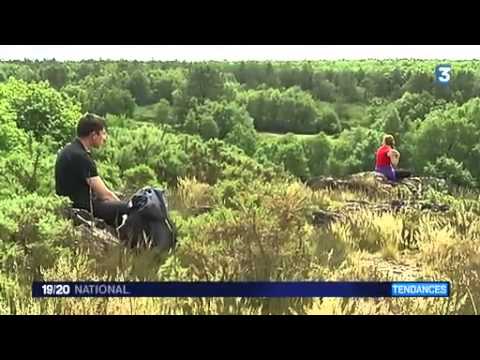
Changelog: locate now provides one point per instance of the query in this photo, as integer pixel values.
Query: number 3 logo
(443, 73)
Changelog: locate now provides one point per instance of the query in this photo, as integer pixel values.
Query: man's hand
(100, 189)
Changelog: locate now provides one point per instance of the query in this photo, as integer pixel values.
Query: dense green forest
(241, 139)
(344, 105)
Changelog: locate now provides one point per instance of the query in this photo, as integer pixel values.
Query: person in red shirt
(387, 159)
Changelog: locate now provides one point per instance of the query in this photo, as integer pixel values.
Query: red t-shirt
(382, 158)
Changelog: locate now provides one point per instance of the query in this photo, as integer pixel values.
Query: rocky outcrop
(322, 217)
(409, 198)
(93, 232)
(395, 206)
(373, 183)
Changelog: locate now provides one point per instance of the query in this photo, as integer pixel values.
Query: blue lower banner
(241, 289)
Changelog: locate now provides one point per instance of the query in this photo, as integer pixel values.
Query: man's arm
(100, 189)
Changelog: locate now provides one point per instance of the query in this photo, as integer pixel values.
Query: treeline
(326, 80)
(435, 138)
(117, 86)
(435, 126)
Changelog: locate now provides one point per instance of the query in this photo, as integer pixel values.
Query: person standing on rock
(387, 159)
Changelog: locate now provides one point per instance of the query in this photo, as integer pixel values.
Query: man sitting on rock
(76, 174)
(387, 159)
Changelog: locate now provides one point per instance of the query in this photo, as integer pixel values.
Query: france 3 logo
(443, 74)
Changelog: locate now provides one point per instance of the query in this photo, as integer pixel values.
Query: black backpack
(148, 223)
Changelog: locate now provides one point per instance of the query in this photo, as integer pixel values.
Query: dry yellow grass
(267, 235)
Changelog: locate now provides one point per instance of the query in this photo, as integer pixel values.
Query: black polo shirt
(73, 166)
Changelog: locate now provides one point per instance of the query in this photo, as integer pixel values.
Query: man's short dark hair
(89, 123)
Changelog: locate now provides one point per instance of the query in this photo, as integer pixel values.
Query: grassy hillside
(277, 238)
